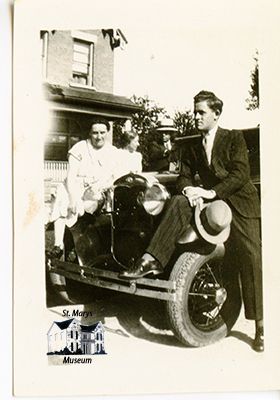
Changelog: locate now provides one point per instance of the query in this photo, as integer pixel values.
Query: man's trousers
(243, 251)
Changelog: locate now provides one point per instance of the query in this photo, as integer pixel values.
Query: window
(83, 52)
(64, 133)
(66, 129)
(73, 140)
(83, 63)
(56, 139)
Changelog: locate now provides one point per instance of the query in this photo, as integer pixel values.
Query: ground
(137, 319)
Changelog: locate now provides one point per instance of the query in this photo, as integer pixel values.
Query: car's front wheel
(203, 312)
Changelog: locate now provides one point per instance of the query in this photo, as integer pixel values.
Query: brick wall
(60, 55)
(104, 64)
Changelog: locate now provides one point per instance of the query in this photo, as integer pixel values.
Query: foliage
(253, 99)
(184, 122)
(144, 122)
(118, 133)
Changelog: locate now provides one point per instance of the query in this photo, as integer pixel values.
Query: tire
(57, 288)
(60, 288)
(69, 290)
(202, 313)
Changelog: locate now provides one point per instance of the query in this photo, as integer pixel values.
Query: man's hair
(101, 121)
(212, 100)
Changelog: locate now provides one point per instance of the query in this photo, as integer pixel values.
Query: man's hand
(194, 201)
(196, 194)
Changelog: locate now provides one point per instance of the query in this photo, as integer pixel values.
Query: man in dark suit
(160, 150)
(220, 160)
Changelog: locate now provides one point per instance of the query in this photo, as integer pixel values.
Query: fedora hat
(213, 220)
(166, 125)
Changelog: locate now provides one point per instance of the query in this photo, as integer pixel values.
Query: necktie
(207, 148)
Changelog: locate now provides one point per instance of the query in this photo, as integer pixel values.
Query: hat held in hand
(213, 220)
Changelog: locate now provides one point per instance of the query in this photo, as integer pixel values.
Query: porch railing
(55, 171)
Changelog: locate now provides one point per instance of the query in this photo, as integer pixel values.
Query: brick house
(78, 79)
(92, 339)
(73, 336)
(65, 334)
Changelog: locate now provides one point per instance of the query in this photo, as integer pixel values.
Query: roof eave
(60, 94)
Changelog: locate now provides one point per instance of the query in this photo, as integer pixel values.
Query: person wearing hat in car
(161, 150)
(220, 159)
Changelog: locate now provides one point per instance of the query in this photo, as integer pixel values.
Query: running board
(153, 288)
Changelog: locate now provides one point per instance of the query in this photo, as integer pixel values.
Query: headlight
(93, 201)
(154, 198)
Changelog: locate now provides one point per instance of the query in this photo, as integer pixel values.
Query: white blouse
(129, 162)
(97, 167)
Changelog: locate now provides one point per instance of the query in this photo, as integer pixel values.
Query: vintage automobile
(199, 306)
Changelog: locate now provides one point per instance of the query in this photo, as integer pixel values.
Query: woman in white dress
(93, 167)
(131, 160)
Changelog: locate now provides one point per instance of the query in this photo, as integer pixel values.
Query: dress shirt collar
(211, 133)
(208, 142)
(167, 145)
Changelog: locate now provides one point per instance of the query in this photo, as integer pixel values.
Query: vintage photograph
(141, 201)
(146, 204)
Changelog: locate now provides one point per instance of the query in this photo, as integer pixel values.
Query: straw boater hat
(166, 125)
(213, 221)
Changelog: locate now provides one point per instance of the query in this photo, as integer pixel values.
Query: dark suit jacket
(228, 174)
(158, 157)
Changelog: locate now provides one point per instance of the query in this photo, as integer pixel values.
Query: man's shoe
(258, 343)
(142, 268)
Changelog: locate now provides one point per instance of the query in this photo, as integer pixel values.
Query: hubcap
(221, 296)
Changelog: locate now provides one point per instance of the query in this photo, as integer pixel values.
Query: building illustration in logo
(71, 337)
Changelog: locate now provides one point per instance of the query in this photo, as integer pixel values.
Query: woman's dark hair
(212, 100)
(101, 121)
(127, 137)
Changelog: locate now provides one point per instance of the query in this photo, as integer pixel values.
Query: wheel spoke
(211, 273)
(204, 295)
(203, 307)
(204, 310)
(215, 312)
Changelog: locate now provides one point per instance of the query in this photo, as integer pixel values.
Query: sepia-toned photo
(136, 202)
(141, 149)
